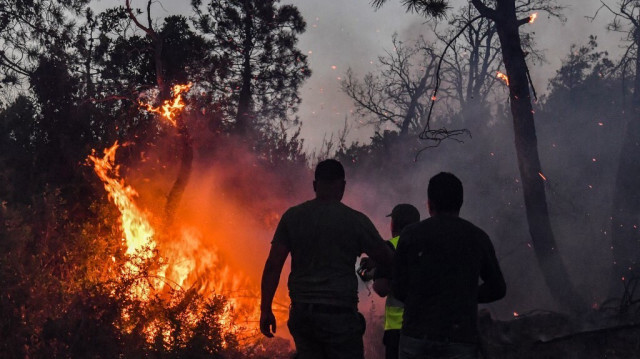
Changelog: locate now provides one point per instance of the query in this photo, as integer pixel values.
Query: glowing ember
(170, 108)
(515, 314)
(532, 17)
(503, 77)
(542, 176)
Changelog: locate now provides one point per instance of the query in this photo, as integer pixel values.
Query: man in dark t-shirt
(324, 237)
(436, 271)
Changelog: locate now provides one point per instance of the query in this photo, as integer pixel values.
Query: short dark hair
(403, 215)
(329, 170)
(445, 192)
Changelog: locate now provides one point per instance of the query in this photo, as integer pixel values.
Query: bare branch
(484, 10)
(148, 30)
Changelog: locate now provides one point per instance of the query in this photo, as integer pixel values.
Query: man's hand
(267, 323)
(367, 269)
(270, 278)
(367, 263)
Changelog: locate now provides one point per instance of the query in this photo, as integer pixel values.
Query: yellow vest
(393, 307)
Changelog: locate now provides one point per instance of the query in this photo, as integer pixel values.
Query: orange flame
(503, 77)
(138, 233)
(170, 108)
(533, 17)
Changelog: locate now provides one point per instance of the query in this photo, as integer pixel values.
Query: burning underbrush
(188, 275)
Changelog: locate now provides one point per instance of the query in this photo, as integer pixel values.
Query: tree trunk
(626, 196)
(244, 115)
(175, 194)
(179, 185)
(544, 243)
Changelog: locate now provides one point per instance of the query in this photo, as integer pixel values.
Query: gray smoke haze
(343, 34)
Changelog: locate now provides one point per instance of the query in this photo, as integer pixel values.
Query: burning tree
(172, 112)
(82, 277)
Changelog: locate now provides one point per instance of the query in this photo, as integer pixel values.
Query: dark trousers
(414, 348)
(391, 341)
(320, 332)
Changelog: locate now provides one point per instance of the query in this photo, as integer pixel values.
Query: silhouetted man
(324, 237)
(436, 269)
(402, 215)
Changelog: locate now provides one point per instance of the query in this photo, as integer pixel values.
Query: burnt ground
(543, 335)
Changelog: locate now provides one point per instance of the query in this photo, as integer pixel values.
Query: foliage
(255, 65)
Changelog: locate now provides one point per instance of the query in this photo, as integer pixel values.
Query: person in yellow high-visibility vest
(402, 216)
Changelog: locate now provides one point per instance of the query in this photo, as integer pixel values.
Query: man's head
(329, 180)
(403, 215)
(445, 194)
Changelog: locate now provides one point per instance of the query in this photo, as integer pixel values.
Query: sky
(350, 33)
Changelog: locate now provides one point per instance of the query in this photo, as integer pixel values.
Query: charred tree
(542, 237)
(186, 157)
(625, 238)
(504, 15)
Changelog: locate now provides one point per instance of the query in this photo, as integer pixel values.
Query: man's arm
(493, 286)
(375, 247)
(382, 286)
(270, 279)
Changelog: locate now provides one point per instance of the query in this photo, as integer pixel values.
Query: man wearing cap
(437, 267)
(402, 216)
(324, 237)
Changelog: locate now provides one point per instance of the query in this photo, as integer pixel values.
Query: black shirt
(325, 239)
(436, 269)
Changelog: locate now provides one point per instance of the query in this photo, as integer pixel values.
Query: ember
(170, 108)
(503, 77)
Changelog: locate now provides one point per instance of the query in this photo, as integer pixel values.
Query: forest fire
(138, 233)
(137, 210)
(183, 260)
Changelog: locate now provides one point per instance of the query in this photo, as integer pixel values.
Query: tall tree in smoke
(626, 195)
(505, 16)
(255, 62)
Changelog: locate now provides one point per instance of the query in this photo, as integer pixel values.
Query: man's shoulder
(353, 212)
(313, 205)
(432, 223)
(468, 225)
